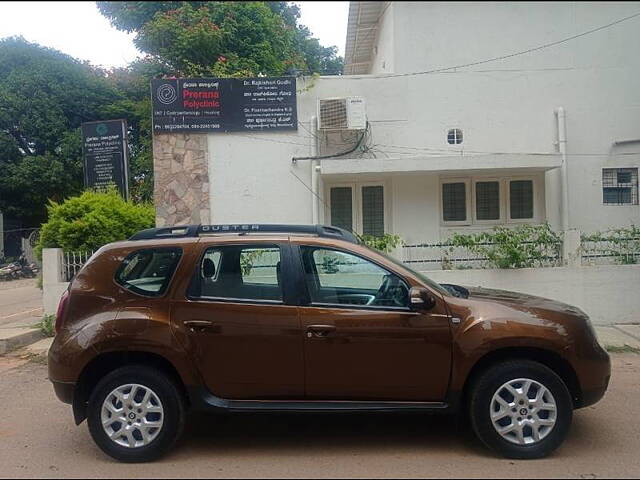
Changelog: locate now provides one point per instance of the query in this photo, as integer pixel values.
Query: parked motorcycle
(11, 271)
(18, 269)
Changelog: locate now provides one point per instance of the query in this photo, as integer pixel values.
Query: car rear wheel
(521, 409)
(136, 413)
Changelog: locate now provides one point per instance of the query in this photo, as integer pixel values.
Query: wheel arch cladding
(105, 363)
(546, 357)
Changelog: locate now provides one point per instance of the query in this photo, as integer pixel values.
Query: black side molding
(203, 400)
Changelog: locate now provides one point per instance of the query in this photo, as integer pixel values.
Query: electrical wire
(339, 154)
(309, 188)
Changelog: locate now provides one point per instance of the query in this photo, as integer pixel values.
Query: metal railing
(448, 256)
(610, 250)
(72, 262)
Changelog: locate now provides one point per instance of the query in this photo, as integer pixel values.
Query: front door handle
(320, 331)
(198, 325)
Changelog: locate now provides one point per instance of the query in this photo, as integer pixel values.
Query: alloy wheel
(132, 415)
(523, 411)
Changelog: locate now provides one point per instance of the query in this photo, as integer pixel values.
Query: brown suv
(246, 318)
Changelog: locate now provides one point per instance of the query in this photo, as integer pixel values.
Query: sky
(78, 29)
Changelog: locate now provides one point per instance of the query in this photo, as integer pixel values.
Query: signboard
(104, 147)
(224, 104)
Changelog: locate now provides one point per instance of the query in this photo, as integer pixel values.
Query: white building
(548, 135)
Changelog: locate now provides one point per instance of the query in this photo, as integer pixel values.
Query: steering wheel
(392, 290)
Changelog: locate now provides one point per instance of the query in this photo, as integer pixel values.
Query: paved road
(20, 300)
(38, 439)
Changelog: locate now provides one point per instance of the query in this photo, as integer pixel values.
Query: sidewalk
(617, 338)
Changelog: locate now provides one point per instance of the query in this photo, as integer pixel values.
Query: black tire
(173, 412)
(488, 383)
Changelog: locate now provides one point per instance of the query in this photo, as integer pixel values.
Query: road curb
(20, 339)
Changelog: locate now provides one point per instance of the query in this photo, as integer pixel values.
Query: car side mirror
(421, 299)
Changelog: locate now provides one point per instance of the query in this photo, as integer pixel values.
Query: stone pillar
(181, 179)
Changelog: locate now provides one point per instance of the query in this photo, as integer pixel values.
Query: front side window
(241, 272)
(339, 278)
(148, 272)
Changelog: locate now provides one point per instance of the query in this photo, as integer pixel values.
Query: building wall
(384, 50)
(502, 107)
(251, 170)
(430, 35)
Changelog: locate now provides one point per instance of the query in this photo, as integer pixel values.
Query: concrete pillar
(53, 284)
(571, 248)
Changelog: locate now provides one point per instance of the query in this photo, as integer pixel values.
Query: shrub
(385, 243)
(520, 247)
(622, 244)
(93, 219)
(47, 325)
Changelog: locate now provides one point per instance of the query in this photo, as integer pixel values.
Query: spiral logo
(166, 94)
(102, 129)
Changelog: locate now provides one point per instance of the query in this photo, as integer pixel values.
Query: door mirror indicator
(421, 299)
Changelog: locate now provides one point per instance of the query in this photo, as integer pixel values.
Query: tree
(223, 38)
(45, 96)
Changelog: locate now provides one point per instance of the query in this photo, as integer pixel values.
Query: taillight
(62, 307)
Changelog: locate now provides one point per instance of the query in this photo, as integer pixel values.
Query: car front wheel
(135, 414)
(521, 409)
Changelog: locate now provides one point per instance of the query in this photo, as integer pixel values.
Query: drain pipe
(315, 177)
(562, 147)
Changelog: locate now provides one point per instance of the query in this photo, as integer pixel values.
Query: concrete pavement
(20, 300)
(39, 439)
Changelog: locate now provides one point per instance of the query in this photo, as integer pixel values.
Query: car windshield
(424, 278)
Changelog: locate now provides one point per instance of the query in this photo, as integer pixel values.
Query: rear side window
(239, 272)
(148, 272)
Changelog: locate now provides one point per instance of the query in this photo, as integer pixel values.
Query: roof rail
(181, 231)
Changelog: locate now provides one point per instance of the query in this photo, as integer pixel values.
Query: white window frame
(505, 200)
(356, 201)
(467, 182)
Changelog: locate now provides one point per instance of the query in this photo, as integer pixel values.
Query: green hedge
(91, 220)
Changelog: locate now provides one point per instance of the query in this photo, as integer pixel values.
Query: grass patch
(621, 349)
(47, 325)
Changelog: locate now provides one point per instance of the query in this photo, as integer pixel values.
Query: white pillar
(571, 248)
(53, 284)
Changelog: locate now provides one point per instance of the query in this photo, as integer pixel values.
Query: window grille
(521, 199)
(373, 210)
(620, 186)
(488, 200)
(454, 136)
(341, 208)
(454, 202)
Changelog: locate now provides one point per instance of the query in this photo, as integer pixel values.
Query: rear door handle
(320, 331)
(198, 325)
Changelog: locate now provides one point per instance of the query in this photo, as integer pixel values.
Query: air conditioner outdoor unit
(347, 113)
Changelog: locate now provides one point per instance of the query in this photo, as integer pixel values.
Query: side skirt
(202, 400)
